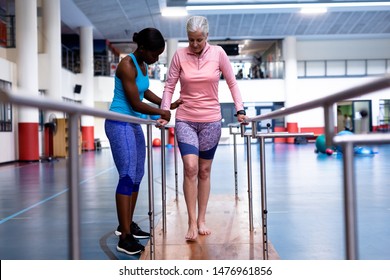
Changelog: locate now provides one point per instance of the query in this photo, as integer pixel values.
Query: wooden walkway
(230, 239)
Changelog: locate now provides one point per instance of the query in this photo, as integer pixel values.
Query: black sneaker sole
(118, 233)
(127, 252)
(140, 236)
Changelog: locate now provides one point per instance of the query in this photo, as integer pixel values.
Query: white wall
(8, 139)
(8, 69)
(343, 49)
(43, 71)
(69, 80)
(103, 89)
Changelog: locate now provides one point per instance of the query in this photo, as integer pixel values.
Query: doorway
(359, 112)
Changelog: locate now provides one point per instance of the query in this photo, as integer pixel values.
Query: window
(384, 115)
(5, 111)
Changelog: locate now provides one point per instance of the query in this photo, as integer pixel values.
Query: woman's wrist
(240, 112)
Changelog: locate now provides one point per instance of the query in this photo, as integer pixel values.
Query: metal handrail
(235, 132)
(263, 194)
(347, 141)
(19, 98)
(75, 111)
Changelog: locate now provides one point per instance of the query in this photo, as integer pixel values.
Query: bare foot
(203, 229)
(192, 233)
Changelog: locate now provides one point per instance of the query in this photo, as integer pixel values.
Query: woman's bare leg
(123, 206)
(190, 187)
(203, 194)
(134, 197)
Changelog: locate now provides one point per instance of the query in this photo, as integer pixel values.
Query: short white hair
(196, 23)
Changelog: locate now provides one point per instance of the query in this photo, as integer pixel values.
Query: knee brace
(125, 186)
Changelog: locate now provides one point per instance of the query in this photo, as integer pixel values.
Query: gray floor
(304, 196)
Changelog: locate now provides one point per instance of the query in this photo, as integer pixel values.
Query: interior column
(27, 73)
(87, 73)
(290, 82)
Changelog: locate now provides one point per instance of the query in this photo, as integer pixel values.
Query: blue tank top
(120, 104)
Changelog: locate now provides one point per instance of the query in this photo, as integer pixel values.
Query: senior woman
(198, 67)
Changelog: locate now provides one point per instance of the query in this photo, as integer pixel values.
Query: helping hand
(176, 104)
(166, 115)
(161, 122)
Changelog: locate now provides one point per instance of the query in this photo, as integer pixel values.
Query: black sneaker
(129, 245)
(118, 232)
(135, 231)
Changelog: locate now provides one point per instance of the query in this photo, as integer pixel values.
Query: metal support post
(329, 124)
(262, 136)
(151, 191)
(264, 210)
(254, 128)
(176, 169)
(163, 182)
(74, 191)
(235, 166)
(247, 137)
(249, 172)
(234, 158)
(350, 202)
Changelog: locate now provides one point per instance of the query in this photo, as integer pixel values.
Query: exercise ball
(363, 151)
(329, 151)
(171, 136)
(321, 144)
(156, 142)
(344, 132)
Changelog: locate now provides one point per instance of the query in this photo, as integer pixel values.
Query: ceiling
(117, 20)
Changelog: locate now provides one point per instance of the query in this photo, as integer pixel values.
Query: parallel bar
(50, 104)
(176, 164)
(74, 190)
(176, 169)
(329, 124)
(151, 192)
(378, 84)
(247, 137)
(264, 210)
(350, 202)
(347, 142)
(75, 111)
(235, 165)
(254, 128)
(163, 181)
(234, 133)
(282, 134)
(249, 174)
(379, 138)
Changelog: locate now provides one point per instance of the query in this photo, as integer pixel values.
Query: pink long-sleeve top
(199, 78)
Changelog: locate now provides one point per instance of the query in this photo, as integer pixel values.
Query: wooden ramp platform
(228, 219)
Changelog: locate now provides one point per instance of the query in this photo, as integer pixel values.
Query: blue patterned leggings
(128, 149)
